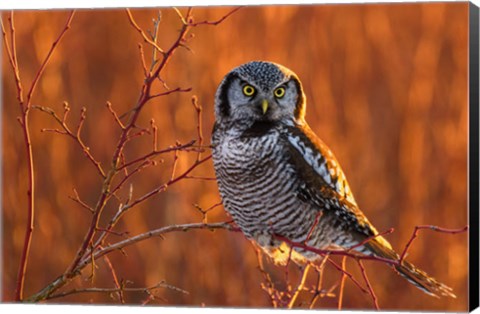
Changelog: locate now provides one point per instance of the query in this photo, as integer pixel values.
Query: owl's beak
(264, 106)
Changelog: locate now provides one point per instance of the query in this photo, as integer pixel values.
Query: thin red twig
(155, 233)
(176, 90)
(13, 39)
(315, 223)
(79, 201)
(370, 238)
(215, 23)
(169, 183)
(336, 252)
(348, 274)
(147, 290)
(142, 159)
(342, 283)
(75, 135)
(117, 283)
(139, 30)
(201, 178)
(49, 54)
(142, 166)
(146, 73)
(300, 287)
(22, 270)
(318, 287)
(123, 209)
(12, 58)
(204, 212)
(198, 109)
(155, 153)
(174, 166)
(269, 286)
(369, 286)
(154, 135)
(115, 116)
(429, 227)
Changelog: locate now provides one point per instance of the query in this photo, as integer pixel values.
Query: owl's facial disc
(272, 103)
(260, 91)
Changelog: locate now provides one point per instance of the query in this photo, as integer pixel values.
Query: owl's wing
(319, 158)
(325, 188)
(324, 183)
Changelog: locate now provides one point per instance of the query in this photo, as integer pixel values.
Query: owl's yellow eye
(279, 92)
(248, 90)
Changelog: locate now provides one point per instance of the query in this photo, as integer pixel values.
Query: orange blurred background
(386, 86)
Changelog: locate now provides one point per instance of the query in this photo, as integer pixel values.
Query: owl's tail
(407, 270)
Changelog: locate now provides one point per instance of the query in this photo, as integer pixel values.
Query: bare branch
(174, 166)
(156, 153)
(428, 227)
(370, 288)
(370, 238)
(215, 23)
(115, 116)
(300, 287)
(201, 178)
(118, 285)
(166, 185)
(145, 37)
(348, 274)
(13, 39)
(344, 252)
(144, 165)
(157, 233)
(54, 131)
(79, 201)
(146, 73)
(318, 292)
(204, 212)
(161, 284)
(342, 283)
(198, 109)
(176, 90)
(47, 58)
(11, 52)
(75, 136)
(154, 135)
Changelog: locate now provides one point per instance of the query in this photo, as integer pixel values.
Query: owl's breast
(240, 159)
(258, 185)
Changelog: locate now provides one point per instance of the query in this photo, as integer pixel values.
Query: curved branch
(61, 280)
(158, 233)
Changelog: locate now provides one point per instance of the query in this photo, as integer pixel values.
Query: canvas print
(294, 156)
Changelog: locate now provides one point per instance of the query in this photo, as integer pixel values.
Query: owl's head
(260, 91)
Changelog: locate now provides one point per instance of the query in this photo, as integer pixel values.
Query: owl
(277, 179)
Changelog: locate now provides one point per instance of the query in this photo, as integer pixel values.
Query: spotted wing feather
(325, 185)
